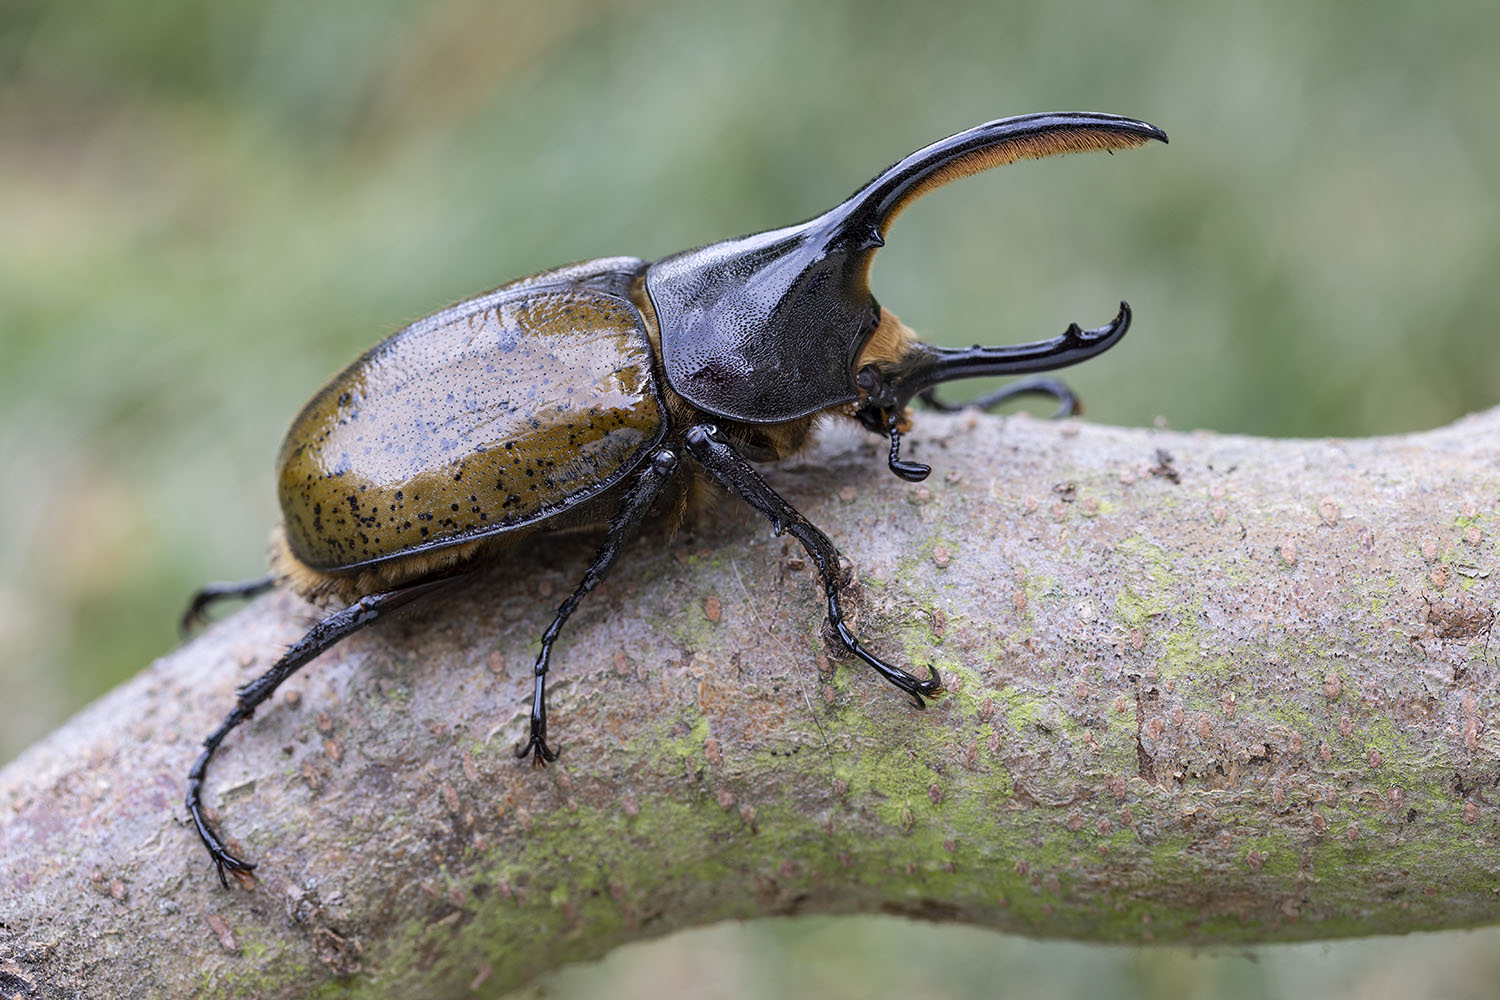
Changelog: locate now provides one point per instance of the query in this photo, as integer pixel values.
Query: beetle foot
(921, 690)
(543, 754)
(210, 594)
(224, 861)
(195, 616)
(917, 688)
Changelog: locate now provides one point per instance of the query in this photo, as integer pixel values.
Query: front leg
(706, 444)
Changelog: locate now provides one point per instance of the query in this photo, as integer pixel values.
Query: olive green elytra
(605, 393)
(487, 417)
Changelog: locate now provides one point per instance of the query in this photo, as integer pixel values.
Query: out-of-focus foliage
(209, 208)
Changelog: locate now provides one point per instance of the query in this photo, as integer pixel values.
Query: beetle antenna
(912, 472)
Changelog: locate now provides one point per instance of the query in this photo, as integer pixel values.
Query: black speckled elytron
(572, 396)
(496, 414)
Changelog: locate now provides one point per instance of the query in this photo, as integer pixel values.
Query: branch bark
(1200, 688)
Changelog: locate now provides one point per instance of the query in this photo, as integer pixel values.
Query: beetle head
(767, 328)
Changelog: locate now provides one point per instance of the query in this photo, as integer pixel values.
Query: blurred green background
(206, 209)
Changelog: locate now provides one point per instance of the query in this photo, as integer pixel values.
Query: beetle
(605, 391)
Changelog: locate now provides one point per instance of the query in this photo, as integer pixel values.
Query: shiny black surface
(764, 328)
(887, 392)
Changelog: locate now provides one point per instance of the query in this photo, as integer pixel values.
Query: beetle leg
(213, 593)
(249, 696)
(706, 444)
(644, 492)
(1067, 403)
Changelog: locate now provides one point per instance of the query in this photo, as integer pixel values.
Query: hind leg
(213, 593)
(319, 638)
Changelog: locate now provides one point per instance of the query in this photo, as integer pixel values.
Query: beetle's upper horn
(766, 328)
(867, 214)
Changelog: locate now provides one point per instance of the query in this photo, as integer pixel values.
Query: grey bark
(1200, 688)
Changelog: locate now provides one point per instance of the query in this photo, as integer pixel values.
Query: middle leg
(644, 492)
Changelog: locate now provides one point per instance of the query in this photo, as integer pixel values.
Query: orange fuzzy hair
(1032, 147)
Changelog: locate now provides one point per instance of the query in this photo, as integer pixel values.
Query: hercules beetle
(572, 397)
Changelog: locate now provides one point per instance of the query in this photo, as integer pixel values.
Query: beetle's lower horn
(927, 365)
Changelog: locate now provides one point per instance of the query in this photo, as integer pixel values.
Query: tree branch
(1200, 688)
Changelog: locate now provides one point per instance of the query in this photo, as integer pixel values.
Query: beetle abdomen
(484, 418)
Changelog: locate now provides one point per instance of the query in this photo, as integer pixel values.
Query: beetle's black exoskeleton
(598, 392)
